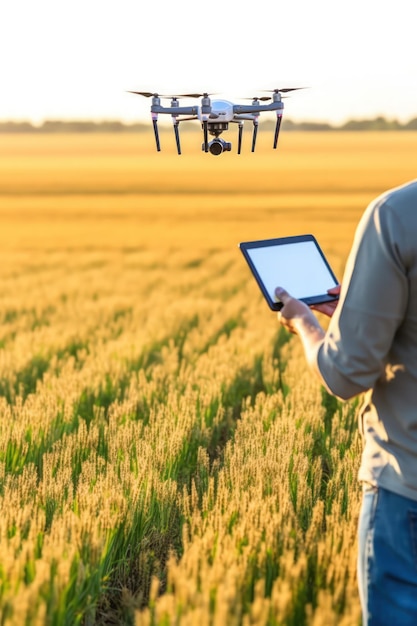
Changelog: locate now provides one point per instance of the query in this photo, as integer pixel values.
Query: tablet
(295, 263)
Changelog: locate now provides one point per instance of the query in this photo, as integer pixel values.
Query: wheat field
(166, 457)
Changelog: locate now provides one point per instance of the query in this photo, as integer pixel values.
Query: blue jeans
(387, 559)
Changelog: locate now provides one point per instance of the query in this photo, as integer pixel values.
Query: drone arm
(185, 119)
(239, 109)
(239, 118)
(175, 110)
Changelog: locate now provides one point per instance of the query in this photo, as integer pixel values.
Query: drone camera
(217, 146)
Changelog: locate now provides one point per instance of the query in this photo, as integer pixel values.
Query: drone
(215, 116)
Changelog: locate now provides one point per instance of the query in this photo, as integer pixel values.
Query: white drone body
(221, 110)
(215, 116)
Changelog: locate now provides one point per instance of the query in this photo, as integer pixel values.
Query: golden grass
(165, 455)
(115, 190)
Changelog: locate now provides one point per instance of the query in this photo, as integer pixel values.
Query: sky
(78, 60)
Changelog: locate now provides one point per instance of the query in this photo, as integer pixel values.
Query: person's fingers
(326, 309)
(334, 291)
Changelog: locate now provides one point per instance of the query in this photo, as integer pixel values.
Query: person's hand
(294, 313)
(328, 308)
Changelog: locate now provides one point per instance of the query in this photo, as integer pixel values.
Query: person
(370, 348)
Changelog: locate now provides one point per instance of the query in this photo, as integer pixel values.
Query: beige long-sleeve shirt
(371, 342)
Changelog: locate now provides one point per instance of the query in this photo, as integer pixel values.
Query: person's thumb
(282, 295)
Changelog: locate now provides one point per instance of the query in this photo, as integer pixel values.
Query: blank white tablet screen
(299, 268)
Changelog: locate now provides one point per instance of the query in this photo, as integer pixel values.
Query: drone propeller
(194, 95)
(147, 94)
(261, 99)
(264, 98)
(284, 89)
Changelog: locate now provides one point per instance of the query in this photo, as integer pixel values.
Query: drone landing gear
(277, 128)
(177, 137)
(254, 135)
(155, 130)
(205, 134)
(239, 138)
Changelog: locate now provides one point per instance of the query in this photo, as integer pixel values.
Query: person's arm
(352, 354)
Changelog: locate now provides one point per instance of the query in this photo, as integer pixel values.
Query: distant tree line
(87, 126)
(68, 126)
(378, 123)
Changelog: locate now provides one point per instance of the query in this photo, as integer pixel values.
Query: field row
(133, 434)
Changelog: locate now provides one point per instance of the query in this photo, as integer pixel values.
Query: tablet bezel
(245, 246)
